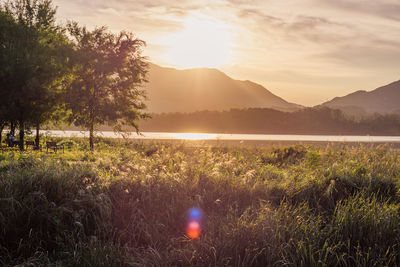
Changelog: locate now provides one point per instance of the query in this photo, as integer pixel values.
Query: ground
(273, 205)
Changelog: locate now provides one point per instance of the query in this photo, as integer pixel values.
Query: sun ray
(202, 43)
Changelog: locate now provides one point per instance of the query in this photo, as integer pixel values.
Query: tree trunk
(21, 135)
(37, 139)
(12, 128)
(91, 137)
(1, 131)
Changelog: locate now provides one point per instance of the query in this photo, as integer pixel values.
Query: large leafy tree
(10, 65)
(107, 80)
(33, 61)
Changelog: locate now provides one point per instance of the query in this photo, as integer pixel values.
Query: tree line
(321, 121)
(66, 73)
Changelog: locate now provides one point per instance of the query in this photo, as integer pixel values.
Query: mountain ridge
(383, 100)
(196, 89)
(172, 90)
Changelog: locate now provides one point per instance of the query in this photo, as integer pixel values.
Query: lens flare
(195, 214)
(193, 230)
(194, 219)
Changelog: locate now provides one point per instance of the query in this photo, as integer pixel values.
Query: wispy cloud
(388, 9)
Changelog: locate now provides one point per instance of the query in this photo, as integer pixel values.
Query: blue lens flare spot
(195, 214)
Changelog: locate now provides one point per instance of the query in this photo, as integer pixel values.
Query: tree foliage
(96, 77)
(107, 80)
(33, 60)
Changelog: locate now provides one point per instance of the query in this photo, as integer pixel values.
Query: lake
(232, 137)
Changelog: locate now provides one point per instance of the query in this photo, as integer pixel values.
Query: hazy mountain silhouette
(171, 90)
(382, 100)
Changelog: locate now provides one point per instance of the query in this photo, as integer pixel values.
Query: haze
(304, 51)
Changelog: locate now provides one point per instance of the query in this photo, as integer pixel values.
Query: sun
(202, 43)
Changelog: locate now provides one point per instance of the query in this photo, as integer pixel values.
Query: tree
(33, 58)
(9, 48)
(107, 81)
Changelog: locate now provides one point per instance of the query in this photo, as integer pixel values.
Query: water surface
(233, 137)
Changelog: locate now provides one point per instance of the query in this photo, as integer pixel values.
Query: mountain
(171, 90)
(382, 100)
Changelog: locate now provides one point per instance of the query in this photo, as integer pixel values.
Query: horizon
(306, 53)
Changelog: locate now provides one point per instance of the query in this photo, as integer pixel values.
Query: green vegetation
(125, 205)
(105, 87)
(51, 73)
(33, 62)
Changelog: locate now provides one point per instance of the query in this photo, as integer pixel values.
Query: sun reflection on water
(194, 136)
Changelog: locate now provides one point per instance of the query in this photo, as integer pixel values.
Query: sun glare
(194, 136)
(202, 43)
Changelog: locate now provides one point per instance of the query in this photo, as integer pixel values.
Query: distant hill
(171, 90)
(383, 100)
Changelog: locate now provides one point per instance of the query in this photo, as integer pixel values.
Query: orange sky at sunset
(304, 51)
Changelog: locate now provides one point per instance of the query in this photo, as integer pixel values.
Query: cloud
(303, 28)
(139, 16)
(389, 9)
(373, 54)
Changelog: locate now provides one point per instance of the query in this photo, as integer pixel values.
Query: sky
(305, 51)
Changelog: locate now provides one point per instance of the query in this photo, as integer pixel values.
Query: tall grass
(126, 205)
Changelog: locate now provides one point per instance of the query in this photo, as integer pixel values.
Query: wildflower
(250, 174)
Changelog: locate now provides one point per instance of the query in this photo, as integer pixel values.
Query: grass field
(126, 205)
